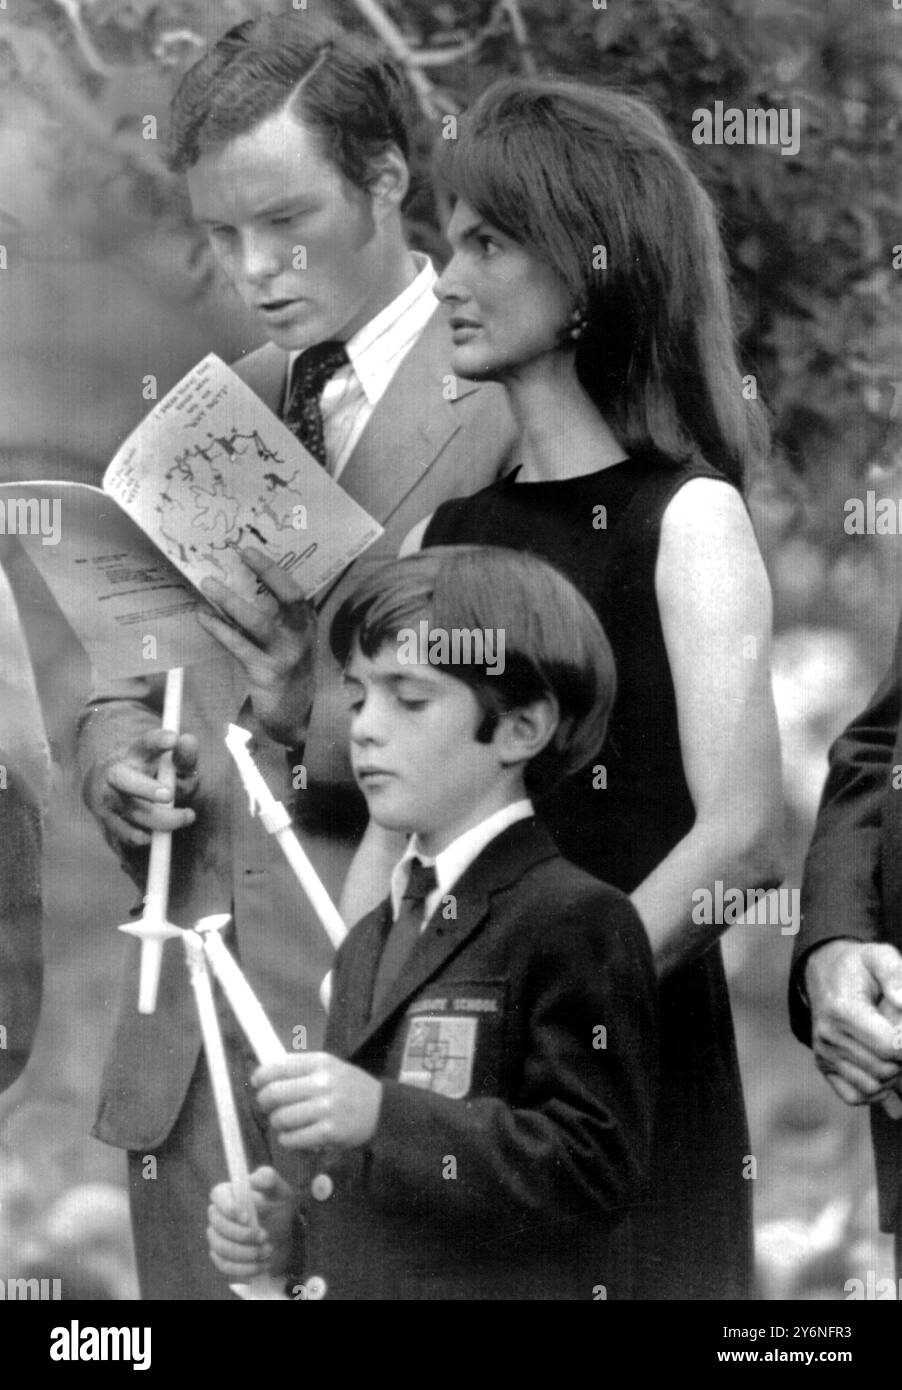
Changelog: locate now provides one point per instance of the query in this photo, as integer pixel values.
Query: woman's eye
(488, 245)
(409, 703)
(355, 706)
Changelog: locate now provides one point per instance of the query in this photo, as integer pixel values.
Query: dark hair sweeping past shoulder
(351, 93)
(582, 176)
(554, 643)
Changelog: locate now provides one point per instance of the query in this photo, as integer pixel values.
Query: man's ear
(522, 733)
(389, 180)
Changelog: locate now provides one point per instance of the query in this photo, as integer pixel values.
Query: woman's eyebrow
(466, 233)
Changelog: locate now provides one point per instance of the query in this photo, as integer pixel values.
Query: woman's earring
(579, 322)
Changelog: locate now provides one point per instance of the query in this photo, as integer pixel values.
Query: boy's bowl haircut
(554, 643)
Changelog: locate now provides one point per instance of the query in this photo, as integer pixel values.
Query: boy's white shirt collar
(457, 857)
(375, 349)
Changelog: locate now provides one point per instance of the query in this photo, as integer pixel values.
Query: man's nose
(261, 259)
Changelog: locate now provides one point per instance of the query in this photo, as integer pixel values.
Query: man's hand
(851, 986)
(274, 639)
(235, 1249)
(313, 1100)
(128, 801)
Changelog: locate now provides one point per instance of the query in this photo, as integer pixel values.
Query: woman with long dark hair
(589, 278)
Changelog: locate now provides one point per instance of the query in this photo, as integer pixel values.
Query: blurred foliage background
(105, 282)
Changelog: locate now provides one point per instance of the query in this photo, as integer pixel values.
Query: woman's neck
(562, 433)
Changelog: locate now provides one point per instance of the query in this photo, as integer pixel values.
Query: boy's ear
(389, 180)
(522, 733)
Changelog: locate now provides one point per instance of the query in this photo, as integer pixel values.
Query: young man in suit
(294, 139)
(846, 983)
(483, 1106)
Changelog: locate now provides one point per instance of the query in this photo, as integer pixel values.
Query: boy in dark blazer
(479, 1123)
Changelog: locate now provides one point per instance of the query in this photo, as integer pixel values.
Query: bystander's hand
(855, 992)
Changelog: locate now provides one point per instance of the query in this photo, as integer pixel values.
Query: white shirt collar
(374, 350)
(457, 857)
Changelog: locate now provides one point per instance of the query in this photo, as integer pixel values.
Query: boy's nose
(365, 726)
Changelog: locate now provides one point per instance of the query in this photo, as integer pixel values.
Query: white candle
(224, 1100)
(152, 928)
(244, 1003)
(264, 1286)
(156, 898)
(277, 821)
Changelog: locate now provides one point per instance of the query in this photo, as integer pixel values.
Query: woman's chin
(473, 365)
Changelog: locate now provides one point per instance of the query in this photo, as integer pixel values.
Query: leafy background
(106, 281)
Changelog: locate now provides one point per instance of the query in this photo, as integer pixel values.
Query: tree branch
(72, 11)
(433, 103)
(521, 36)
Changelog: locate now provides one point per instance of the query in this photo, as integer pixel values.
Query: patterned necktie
(303, 412)
(405, 929)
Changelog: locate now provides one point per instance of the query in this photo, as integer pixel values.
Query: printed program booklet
(208, 472)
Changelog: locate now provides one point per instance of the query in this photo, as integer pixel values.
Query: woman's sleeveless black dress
(693, 1238)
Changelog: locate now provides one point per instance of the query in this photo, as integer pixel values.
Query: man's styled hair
(553, 642)
(591, 181)
(351, 93)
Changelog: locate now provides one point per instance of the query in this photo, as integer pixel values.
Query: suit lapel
(502, 862)
(266, 373)
(409, 427)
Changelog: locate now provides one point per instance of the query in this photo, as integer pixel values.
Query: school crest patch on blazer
(438, 1054)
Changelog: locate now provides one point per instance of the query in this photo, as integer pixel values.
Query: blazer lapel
(502, 862)
(351, 1010)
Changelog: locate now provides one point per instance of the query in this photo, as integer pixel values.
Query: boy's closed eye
(411, 698)
(407, 692)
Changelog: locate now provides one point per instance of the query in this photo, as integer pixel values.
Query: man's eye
(355, 705)
(283, 220)
(488, 245)
(411, 702)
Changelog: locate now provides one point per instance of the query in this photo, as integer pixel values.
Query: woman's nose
(448, 288)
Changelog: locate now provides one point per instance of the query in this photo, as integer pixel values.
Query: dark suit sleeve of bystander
(842, 886)
(20, 923)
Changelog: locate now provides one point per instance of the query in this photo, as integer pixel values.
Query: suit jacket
(518, 1048)
(419, 448)
(20, 922)
(852, 884)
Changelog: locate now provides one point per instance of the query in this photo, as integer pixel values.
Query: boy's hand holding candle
(314, 1100)
(243, 1252)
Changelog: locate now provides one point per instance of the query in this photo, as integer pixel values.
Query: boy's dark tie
(303, 412)
(405, 929)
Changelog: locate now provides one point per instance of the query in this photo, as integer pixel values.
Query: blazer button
(322, 1187)
(316, 1287)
